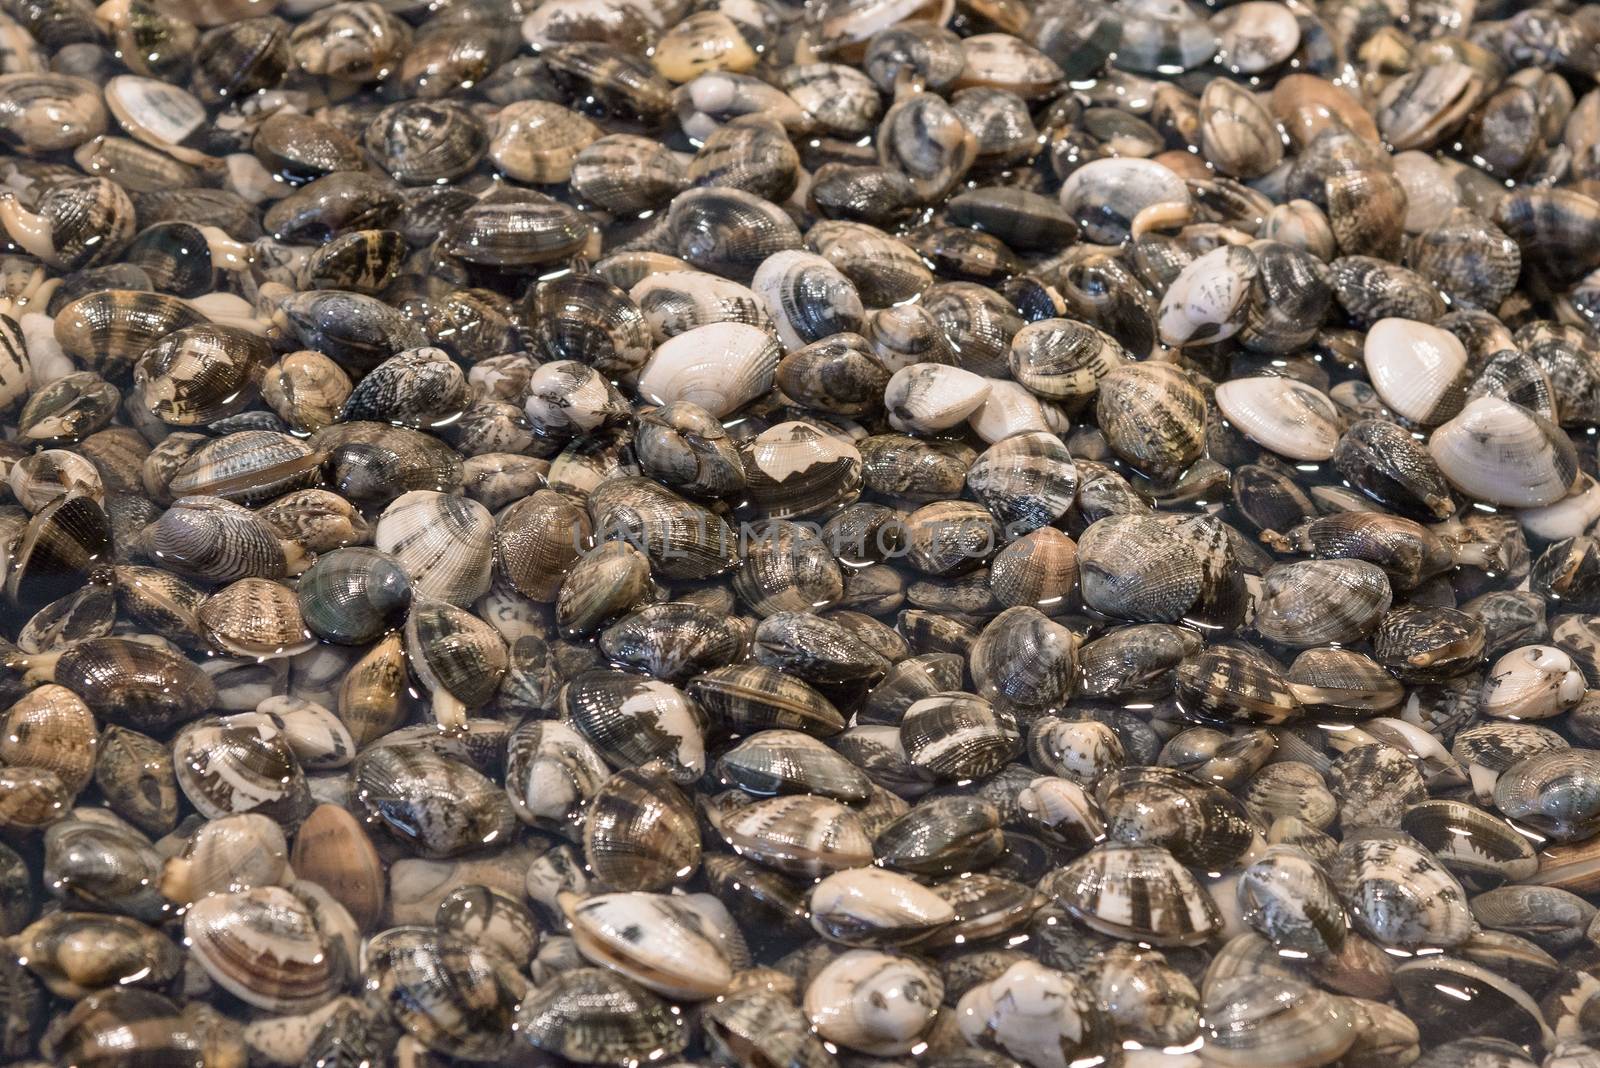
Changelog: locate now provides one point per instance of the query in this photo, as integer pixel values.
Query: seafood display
(800, 533)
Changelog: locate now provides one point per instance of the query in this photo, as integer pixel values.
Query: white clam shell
(719, 366)
(1205, 302)
(654, 939)
(1010, 409)
(1566, 518)
(874, 906)
(1533, 682)
(1288, 417)
(872, 1002)
(1418, 370)
(928, 397)
(1502, 453)
(1038, 1015)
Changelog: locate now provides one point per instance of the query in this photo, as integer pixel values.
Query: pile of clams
(762, 534)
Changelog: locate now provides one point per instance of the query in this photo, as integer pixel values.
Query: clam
(1037, 1014)
(458, 658)
(593, 1016)
(1135, 892)
(584, 317)
(439, 806)
(250, 467)
(1533, 682)
(792, 469)
(1550, 791)
(1286, 898)
(1288, 417)
(1153, 416)
(126, 952)
(1400, 896)
(310, 941)
(1111, 198)
(76, 224)
(456, 996)
(94, 865)
(634, 721)
(673, 641)
(801, 835)
(640, 833)
(625, 173)
(353, 595)
(720, 366)
(873, 1002)
(1252, 1018)
(681, 959)
(1318, 602)
(256, 618)
(444, 543)
(1503, 453)
(228, 767)
(746, 697)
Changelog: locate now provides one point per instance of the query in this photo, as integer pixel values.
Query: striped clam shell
(634, 721)
(1400, 896)
(1027, 480)
(595, 1016)
(959, 736)
(439, 806)
(1153, 416)
(444, 543)
(1288, 899)
(453, 993)
(640, 833)
(250, 467)
(801, 835)
(272, 947)
(1136, 892)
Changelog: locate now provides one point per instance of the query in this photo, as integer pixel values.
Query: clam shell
(1251, 1019)
(1136, 892)
(353, 595)
(777, 761)
(746, 697)
(551, 771)
(256, 618)
(451, 993)
(1501, 453)
(538, 540)
(1321, 602)
(271, 947)
(1039, 1015)
(439, 806)
(1400, 896)
(594, 1016)
(640, 833)
(445, 544)
(635, 721)
(873, 1002)
(458, 657)
(1288, 417)
(802, 835)
(681, 959)
(872, 907)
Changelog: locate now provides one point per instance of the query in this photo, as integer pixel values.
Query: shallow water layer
(979, 534)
